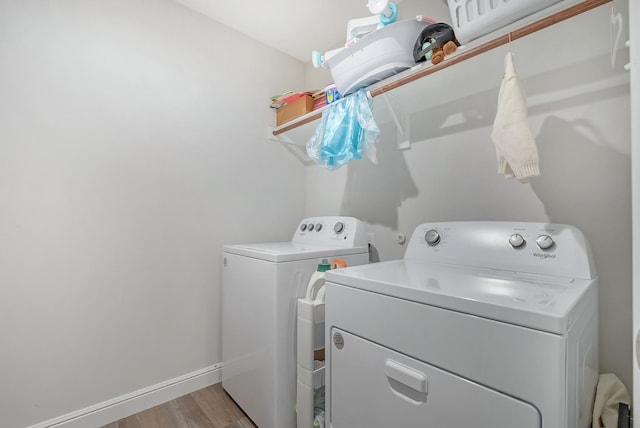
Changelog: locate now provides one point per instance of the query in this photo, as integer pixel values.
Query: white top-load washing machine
(261, 285)
(483, 325)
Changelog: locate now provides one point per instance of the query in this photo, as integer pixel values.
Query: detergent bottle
(316, 283)
(317, 279)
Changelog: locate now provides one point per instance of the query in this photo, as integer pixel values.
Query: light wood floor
(207, 408)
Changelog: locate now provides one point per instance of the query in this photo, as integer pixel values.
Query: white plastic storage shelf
(310, 338)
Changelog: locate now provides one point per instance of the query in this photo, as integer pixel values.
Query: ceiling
(297, 27)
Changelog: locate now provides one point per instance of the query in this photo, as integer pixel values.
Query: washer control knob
(318, 227)
(311, 227)
(339, 227)
(516, 240)
(432, 237)
(303, 227)
(544, 242)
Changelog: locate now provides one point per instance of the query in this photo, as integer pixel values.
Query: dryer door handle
(414, 379)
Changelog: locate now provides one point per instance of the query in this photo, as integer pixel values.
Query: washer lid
(547, 303)
(289, 251)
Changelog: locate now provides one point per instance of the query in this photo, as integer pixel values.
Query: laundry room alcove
(402, 95)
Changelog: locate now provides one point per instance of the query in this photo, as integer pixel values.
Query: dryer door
(373, 386)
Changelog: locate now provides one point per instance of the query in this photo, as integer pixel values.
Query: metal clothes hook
(510, 51)
(616, 18)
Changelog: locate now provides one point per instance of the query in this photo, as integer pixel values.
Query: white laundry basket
(474, 18)
(376, 56)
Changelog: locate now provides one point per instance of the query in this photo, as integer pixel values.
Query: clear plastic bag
(347, 129)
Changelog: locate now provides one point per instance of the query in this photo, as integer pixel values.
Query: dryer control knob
(311, 226)
(303, 227)
(432, 237)
(318, 227)
(516, 240)
(339, 227)
(544, 242)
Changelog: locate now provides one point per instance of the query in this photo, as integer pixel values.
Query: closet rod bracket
(297, 149)
(402, 122)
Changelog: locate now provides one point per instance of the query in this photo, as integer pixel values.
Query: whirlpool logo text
(544, 256)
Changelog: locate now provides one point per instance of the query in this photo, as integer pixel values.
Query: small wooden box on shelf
(296, 108)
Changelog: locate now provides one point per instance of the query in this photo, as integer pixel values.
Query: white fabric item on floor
(515, 146)
(609, 393)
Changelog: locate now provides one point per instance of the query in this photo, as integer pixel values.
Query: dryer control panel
(540, 248)
(335, 231)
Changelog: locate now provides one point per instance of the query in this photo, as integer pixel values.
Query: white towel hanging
(515, 146)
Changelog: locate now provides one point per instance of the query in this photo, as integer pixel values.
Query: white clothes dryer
(261, 286)
(483, 324)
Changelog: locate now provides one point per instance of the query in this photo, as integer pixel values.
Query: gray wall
(579, 114)
(132, 147)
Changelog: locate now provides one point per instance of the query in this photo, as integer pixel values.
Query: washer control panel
(331, 231)
(517, 241)
(544, 248)
(432, 237)
(545, 242)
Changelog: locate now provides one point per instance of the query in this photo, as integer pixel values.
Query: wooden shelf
(422, 70)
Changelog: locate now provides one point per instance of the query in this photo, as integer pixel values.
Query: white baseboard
(120, 407)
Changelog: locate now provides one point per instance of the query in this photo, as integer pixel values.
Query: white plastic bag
(347, 129)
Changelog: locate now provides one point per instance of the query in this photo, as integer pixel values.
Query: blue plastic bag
(347, 129)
